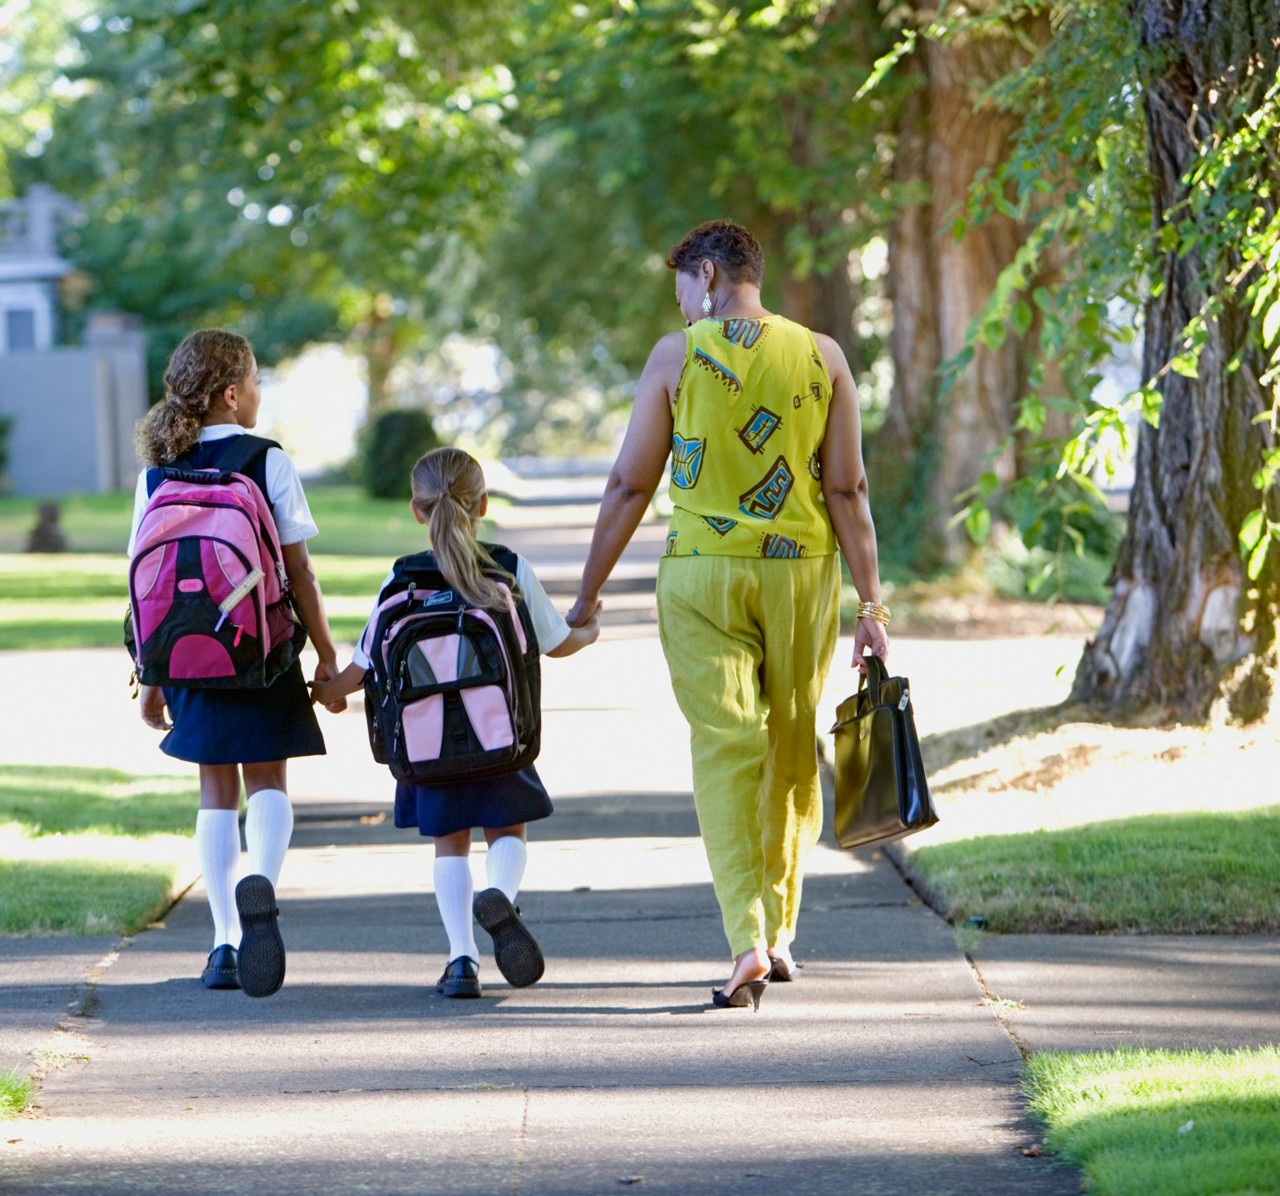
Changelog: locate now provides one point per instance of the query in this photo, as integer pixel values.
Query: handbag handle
(876, 675)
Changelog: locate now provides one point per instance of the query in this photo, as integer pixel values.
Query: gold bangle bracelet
(874, 610)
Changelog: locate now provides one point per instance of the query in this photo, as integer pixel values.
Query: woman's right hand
(152, 699)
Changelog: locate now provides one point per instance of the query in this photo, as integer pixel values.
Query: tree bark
(940, 444)
(824, 301)
(1185, 628)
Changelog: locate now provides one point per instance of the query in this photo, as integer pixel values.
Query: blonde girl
(450, 499)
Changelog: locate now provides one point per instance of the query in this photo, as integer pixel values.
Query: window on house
(20, 329)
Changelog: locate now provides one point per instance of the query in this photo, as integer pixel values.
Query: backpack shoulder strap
(242, 451)
(503, 557)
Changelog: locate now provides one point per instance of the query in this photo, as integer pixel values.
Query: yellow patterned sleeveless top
(750, 413)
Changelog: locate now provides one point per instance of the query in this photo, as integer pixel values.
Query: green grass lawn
(77, 599)
(91, 522)
(351, 524)
(1163, 1123)
(1114, 876)
(15, 1094)
(90, 851)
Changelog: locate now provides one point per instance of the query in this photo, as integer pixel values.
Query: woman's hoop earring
(706, 303)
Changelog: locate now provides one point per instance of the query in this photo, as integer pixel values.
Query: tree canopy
(397, 174)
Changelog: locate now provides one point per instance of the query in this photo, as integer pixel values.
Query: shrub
(6, 426)
(388, 446)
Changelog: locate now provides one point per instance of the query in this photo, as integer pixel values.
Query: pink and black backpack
(209, 601)
(454, 690)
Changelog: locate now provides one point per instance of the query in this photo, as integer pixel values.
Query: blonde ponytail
(448, 485)
(203, 366)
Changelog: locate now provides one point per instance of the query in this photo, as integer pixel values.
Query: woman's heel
(748, 992)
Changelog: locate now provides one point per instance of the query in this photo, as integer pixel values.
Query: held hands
(870, 636)
(585, 610)
(151, 698)
(324, 691)
(591, 625)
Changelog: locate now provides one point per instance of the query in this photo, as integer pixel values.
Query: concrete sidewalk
(886, 1068)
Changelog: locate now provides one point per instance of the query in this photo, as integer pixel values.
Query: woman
(760, 417)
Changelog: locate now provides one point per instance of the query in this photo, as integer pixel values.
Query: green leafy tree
(304, 168)
(1145, 168)
(639, 121)
(1194, 618)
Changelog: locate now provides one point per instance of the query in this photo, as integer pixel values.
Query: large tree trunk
(1185, 627)
(826, 303)
(940, 444)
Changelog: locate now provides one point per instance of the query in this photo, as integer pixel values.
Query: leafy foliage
(389, 446)
(1078, 175)
(295, 171)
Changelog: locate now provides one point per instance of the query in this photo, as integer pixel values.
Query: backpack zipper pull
(135, 686)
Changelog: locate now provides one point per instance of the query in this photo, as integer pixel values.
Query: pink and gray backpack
(209, 601)
(454, 690)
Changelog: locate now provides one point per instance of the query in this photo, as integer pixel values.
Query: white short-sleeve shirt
(548, 623)
(284, 490)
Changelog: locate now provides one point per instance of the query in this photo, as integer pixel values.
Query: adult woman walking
(760, 419)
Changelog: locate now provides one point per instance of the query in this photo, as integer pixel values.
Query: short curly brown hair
(729, 245)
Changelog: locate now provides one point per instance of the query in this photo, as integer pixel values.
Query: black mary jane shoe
(461, 978)
(220, 971)
(261, 947)
(515, 950)
(747, 993)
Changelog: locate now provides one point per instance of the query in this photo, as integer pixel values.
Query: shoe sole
(261, 955)
(515, 950)
(459, 988)
(218, 978)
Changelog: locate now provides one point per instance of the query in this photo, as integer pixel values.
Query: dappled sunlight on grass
(1174, 1123)
(1087, 772)
(90, 851)
(1080, 829)
(53, 800)
(1164, 874)
(87, 885)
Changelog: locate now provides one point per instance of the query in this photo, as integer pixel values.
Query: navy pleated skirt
(493, 803)
(243, 726)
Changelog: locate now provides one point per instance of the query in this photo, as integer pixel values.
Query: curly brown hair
(729, 245)
(203, 366)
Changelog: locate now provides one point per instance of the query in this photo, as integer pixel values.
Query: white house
(73, 409)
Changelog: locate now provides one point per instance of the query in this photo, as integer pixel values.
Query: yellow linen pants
(748, 644)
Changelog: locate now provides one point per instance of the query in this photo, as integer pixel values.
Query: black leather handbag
(881, 791)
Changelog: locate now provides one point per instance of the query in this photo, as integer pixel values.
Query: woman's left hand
(583, 611)
(870, 636)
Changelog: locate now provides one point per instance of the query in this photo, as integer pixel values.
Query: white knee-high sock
(218, 848)
(505, 863)
(454, 890)
(268, 827)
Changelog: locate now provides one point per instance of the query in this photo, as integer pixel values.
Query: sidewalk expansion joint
(994, 1003)
(522, 1137)
(84, 996)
